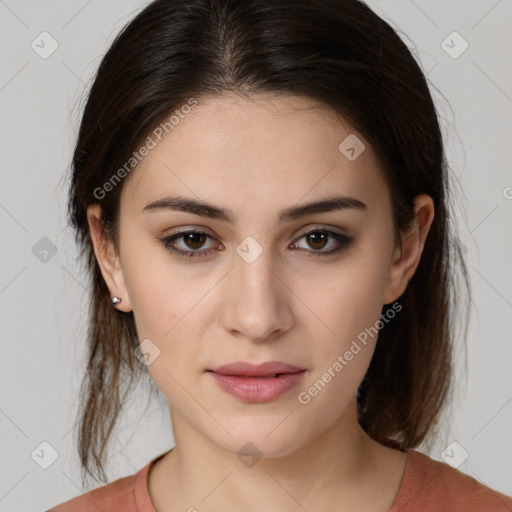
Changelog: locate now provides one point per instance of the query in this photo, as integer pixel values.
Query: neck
(341, 466)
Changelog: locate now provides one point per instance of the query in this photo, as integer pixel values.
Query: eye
(193, 241)
(317, 239)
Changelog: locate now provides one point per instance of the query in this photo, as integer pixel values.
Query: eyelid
(301, 232)
(320, 227)
(188, 228)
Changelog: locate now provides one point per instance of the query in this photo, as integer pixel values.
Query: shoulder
(429, 484)
(122, 494)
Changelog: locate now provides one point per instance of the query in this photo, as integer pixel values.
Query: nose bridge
(253, 271)
(255, 305)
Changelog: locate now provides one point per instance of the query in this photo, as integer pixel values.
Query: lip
(245, 369)
(251, 383)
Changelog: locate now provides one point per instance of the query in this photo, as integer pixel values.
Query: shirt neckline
(409, 487)
(143, 501)
(412, 481)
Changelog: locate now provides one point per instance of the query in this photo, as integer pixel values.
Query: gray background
(42, 303)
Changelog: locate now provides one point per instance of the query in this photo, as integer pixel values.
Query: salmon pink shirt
(427, 486)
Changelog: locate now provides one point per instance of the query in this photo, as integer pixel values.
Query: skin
(255, 157)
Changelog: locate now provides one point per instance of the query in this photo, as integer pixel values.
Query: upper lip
(246, 369)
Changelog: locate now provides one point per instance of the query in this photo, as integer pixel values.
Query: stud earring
(116, 300)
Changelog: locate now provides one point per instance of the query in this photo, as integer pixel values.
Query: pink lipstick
(257, 383)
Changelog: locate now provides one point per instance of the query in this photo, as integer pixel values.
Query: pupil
(194, 238)
(321, 238)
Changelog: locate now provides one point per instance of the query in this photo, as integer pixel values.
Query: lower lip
(254, 389)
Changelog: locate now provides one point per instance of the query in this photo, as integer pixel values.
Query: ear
(406, 261)
(108, 259)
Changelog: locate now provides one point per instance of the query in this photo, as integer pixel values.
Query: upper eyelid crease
(204, 209)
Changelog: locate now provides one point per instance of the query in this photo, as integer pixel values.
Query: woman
(261, 193)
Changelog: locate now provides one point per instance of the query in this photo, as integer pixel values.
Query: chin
(261, 442)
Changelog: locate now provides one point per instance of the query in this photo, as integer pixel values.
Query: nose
(257, 300)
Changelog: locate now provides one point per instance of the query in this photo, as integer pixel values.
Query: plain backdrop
(43, 298)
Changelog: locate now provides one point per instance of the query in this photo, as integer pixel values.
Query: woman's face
(260, 286)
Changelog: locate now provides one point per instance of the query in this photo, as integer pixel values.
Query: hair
(341, 55)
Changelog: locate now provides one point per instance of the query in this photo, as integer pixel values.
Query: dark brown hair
(346, 58)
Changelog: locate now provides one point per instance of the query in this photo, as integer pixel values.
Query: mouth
(254, 376)
(251, 383)
(258, 376)
(269, 369)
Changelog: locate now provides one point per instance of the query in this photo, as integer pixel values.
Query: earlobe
(406, 261)
(107, 258)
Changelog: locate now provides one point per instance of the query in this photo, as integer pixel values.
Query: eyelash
(344, 242)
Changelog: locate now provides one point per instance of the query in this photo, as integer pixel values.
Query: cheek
(160, 293)
(351, 299)
(167, 311)
(344, 323)
(350, 309)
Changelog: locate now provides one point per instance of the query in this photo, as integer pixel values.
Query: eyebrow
(205, 209)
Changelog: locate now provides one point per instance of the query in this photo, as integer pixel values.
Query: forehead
(264, 150)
